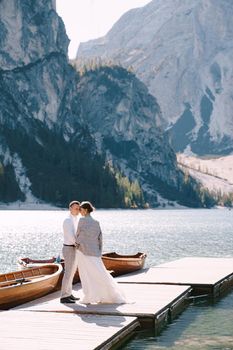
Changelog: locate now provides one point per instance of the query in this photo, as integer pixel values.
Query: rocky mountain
(182, 51)
(46, 150)
(125, 121)
(64, 134)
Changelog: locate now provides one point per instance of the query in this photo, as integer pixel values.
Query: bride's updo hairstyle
(88, 206)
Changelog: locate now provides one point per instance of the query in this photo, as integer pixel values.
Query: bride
(97, 284)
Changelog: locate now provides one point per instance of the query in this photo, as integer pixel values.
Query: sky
(91, 19)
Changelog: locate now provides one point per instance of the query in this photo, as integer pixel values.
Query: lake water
(165, 235)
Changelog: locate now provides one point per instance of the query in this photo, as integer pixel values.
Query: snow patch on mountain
(22, 179)
(215, 174)
(20, 173)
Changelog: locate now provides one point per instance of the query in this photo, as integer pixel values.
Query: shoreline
(47, 206)
(28, 206)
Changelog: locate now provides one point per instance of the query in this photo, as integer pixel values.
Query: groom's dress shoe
(73, 297)
(67, 300)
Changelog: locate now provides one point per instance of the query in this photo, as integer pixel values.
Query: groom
(69, 252)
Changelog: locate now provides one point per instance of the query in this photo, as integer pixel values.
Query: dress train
(98, 285)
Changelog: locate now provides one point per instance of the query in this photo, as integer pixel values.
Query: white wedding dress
(98, 285)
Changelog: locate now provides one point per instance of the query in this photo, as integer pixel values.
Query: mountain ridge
(182, 51)
(66, 134)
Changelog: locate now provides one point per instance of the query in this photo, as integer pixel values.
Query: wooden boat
(123, 264)
(19, 287)
(28, 262)
(116, 263)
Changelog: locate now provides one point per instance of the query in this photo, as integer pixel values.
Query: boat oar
(19, 281)
(12, 282)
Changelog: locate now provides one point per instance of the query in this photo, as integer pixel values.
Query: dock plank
(197, 272)
(50, 331)
(200, 262)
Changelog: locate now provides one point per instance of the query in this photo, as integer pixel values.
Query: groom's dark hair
(74, 202)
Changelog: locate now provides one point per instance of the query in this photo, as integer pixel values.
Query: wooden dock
(156, 296)
(211, 276)
(149, 303)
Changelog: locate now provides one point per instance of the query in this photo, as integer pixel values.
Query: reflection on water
(165, 235)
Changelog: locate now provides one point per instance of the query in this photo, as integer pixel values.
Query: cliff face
(30, 31)
(36, 80)
(43, 139)
(125, 121)
(182, 51)
(59, 128)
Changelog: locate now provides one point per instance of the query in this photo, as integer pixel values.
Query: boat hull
(123, 264)
(19, 287)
